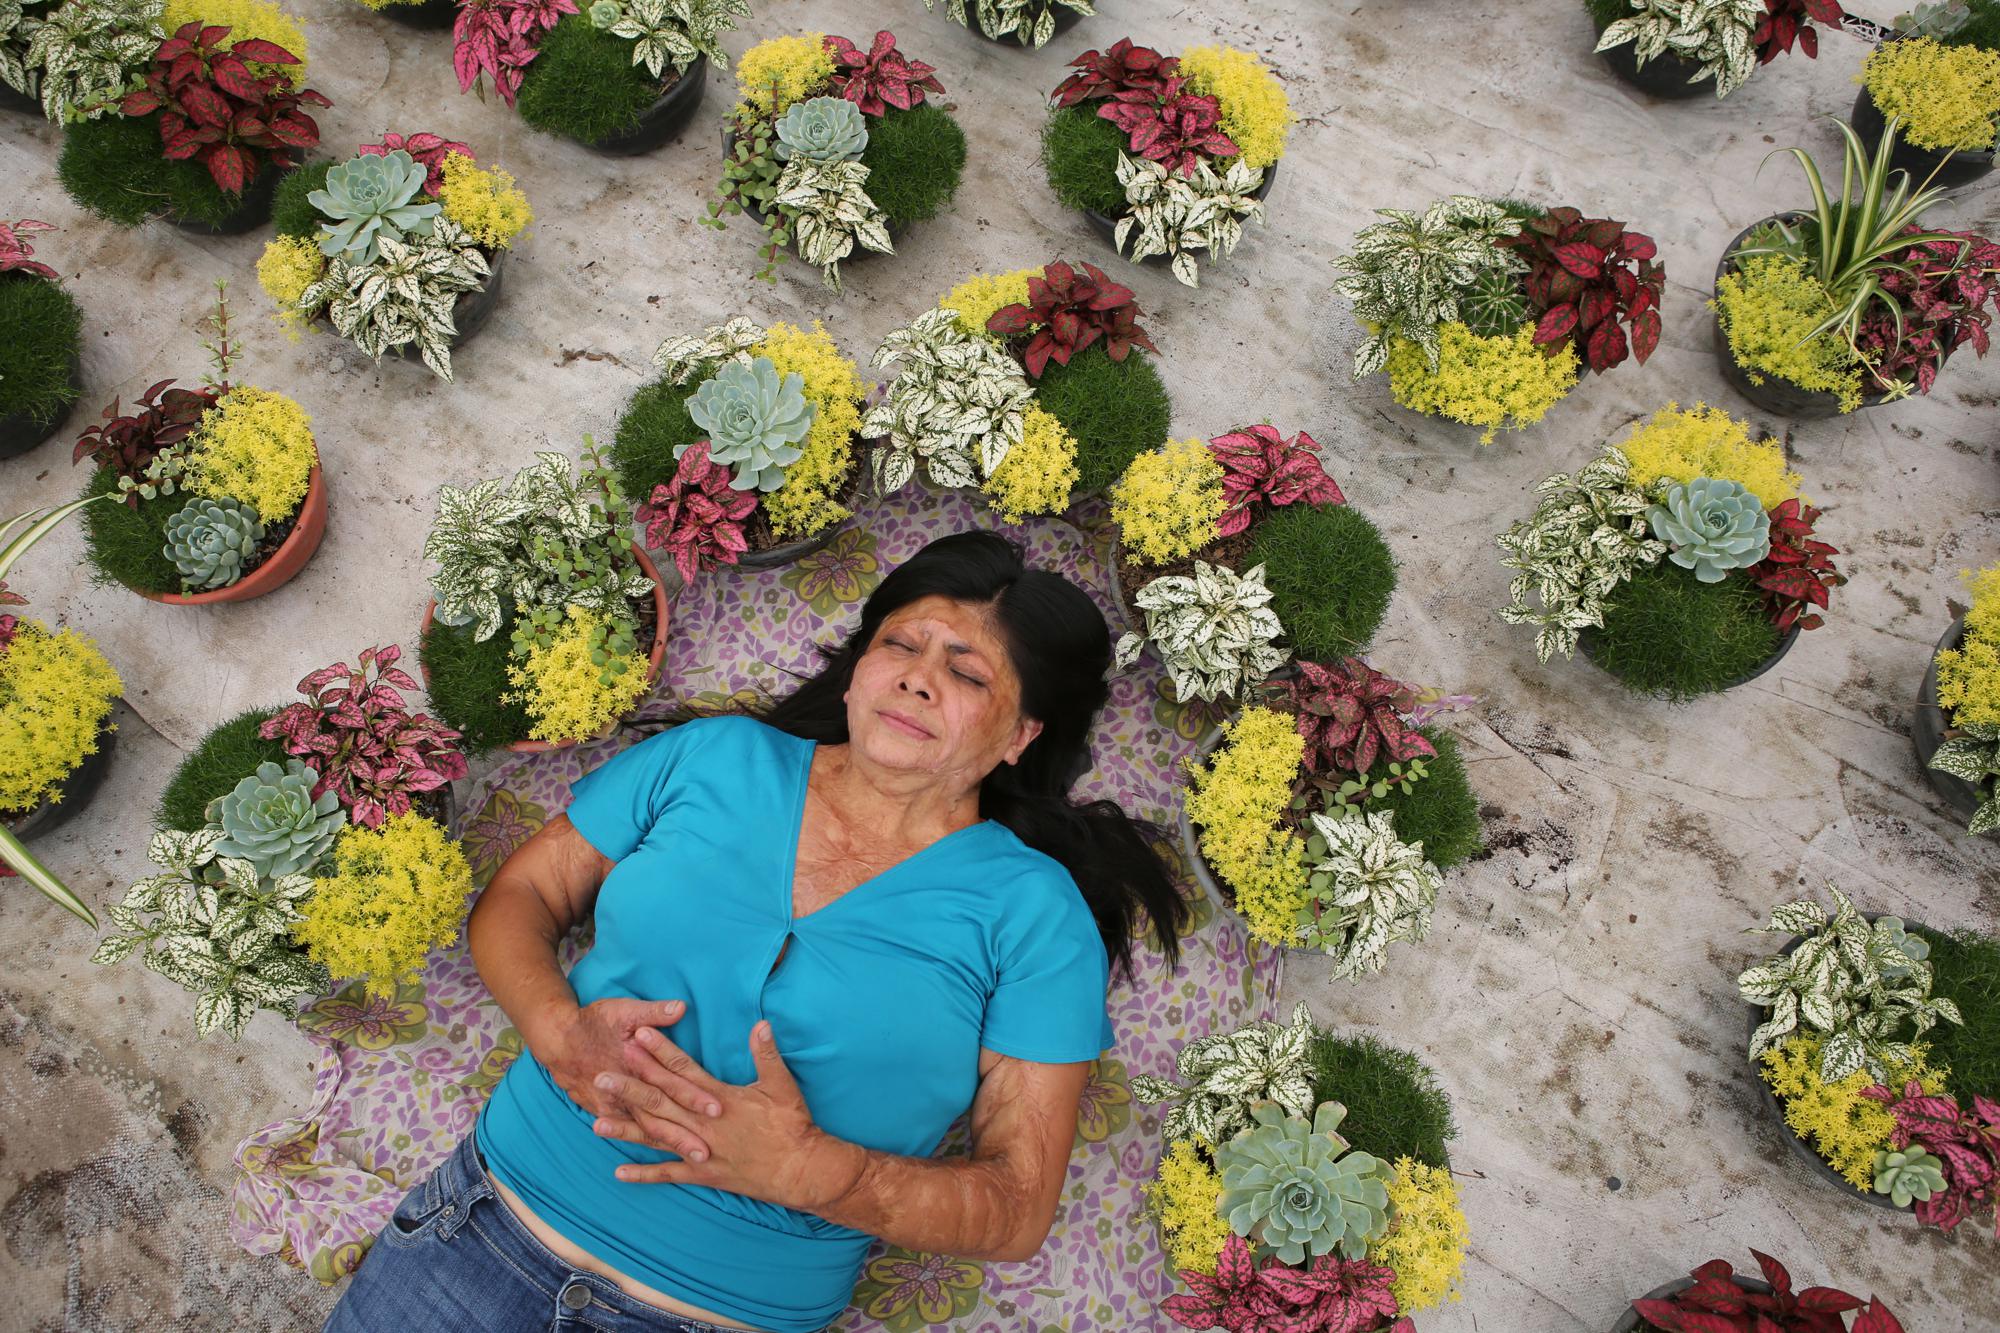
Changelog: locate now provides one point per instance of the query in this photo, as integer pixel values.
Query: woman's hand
(757, 1140)
(606, 1036)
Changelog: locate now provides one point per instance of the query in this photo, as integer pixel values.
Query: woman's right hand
(596, 1039)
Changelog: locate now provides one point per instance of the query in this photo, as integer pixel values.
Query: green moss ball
(1670, 636)
(1330, 575)
(1116, 410)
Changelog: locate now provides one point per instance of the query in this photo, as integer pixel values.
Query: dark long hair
(1059, 647)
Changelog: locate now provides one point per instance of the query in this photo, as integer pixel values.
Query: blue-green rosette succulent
(272, 820)
(1295, 1190)
(604, 13)
(368, 197)
(210, 541)
(1713, 526)
(822, 129)
(1908, 1176)
(754, 419)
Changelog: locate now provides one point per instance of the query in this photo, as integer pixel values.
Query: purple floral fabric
(400, 1080)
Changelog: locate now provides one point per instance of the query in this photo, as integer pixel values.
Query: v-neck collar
(804, 775)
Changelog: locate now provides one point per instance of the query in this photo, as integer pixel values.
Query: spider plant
(1845, 242)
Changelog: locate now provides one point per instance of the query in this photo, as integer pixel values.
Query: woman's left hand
(757, 1139)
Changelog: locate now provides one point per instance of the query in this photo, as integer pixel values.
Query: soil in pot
(77, 788)
(1229, 551)
(1106, 226)
(1949, 171)
(1927, 730)
(20, 432)
(286, 548)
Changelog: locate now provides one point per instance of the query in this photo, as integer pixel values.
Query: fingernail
(697, 1156)
(713, 1109)
(673, 1006)
(604, 1082)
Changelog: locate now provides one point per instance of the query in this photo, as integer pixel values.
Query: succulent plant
(1972, 754)
(1214, 630)
(1176, 215)
(881, 76)
(604, 13)
(1966, 1141)
(1294, 1189)
(210, 541)
(956, 405)
(1367, 889)
(1226, 1074)
(1937, 19)
(1260, 467)
(1908, 1175)
(1587, 536)
(822, 129)
(368, 197)
(428, 149)
(1914, 947)
(1495, 304)
(1712, 526)
(755, 419)
(272, 819)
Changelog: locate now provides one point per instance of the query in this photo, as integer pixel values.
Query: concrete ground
(1577, 997)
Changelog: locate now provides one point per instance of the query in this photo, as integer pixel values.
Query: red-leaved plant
(128, 442)
(215, 109)
(1942, 288)
(1350, 715)
(370, 750)
(1968, 1142)
(697, 518)
(1122, 67)
(1169, 125)
(881, 76)
(1334, 1295)
(1715, 1304)
(1261, 466)
(1072, 312)
(426, 148)
(1589, 278)
(1799, 573)
(16, 255)
(496, 39)
(1785, 20)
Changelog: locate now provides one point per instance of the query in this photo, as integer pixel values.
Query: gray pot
(788, 553)
(1665, 76)
(1952, 170)
(1191, 844)
(1629, 1321)
(1107, 226)
(664, 119)
(19, 432)
(253, 207)
(431, 14)
(1066, 18)
(1927, 729)
(471, 310)
(77, 789)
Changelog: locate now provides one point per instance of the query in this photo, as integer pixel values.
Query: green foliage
(1586, 537)
(652, 433)
(224, 758)
(1114, 410)
(1495, 305)
(755, 419)
(371, 198)
(211, 541)
(88, 52)
(1366, 889)
(1407, 276)
(113, 168)
(1395, 1106)
(914, 160)
(291, 212)
(750, 172)
(1295, 1190)
(1965, 969)
(669, 32)
(1330, 575)
(830, 212)
(125, 545)
(1439, 811)
(1175, 216)
(41, 328)
(583, 84)
(1080, 154)
(956, 405)
(1671, 636)
(1225, 1074)
(1715, 34)
(1713, 526)
(1606, 12)
(469, 686)
(405, 296)
(1214, 631)
(272, 819)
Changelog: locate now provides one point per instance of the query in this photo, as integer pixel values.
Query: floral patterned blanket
(401, 1079)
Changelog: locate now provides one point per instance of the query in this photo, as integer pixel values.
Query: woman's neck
(897, 806)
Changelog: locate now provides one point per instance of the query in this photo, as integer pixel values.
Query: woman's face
(935, 692)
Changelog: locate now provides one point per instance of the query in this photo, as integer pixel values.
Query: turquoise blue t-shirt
(880, 1008)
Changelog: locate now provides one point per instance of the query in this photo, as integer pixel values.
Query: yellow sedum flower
(1428, 1243)
(257, 447)
(246, 18)
(288, 266)
(1969, 675)
(1947, 96)
(1768, 306)
(55, 692)
(1236, 803)
(1168, 503)
(1841, 1125)
(779, 71)
(396, 893)
(1677, 446)
(1038, 474)
(981, 295)
(483, 201)
(1255, 112)
(1503, 382)
(564, 691)
(1184, 1195)
(809, 501)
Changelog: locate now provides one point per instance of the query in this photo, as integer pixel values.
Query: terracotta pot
(663, 120)
(1665, 76)
(253, 208)
(653, 659)
(1951, 171)
(1629, 1321)
(77, 789)
(427, 14)
(279, 568)
(1588, 639)
(18, 431)
(1107, 226)
(470, 310)
(1927, 730)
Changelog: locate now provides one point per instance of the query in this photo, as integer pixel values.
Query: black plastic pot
(253, 209)
(1066, 18)
(1952, 171)
(1629, 1321)
(1588, 642)
(430, 14)
(1927, 729)
(790, 553)
(18, 431)
(1107, 226)
(1665, 76)
(13, 99)
(667, 117)
(471, 310)
(77, 789)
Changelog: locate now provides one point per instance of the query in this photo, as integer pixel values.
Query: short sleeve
(1048, 1002)
(616, 804)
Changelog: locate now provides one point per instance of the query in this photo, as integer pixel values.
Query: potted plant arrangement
(1713, 1299)
(41, 343)
(1957, 724)
(1842, 1023)
(1031, 387)
(1029, 22)
(1939, 74)
(422, 14)
(744, 448)
(834, 150)
(1305, 1182)
(544, 613)
(1235, 555)
(1676, 50)
(1853, 303)
(196, 126)
(302, 846)
(1167, 156)
(213, 494)
(1743, 571)
(400, 248)
(20, 78)
(622, 78)
(1485, 311)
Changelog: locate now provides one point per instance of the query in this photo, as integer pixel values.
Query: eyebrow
(955, 648)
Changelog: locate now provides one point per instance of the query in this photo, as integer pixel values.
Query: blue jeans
(455, 1259)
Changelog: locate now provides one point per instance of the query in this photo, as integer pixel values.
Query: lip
(904, 723)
